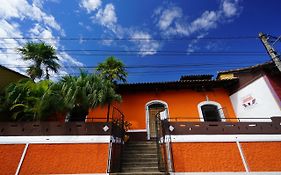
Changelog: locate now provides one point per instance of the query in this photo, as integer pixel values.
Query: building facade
(197, 125)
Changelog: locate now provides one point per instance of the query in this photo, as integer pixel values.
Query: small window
(210, 113)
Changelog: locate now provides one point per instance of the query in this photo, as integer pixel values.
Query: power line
(158, 66)
(132, 38)
(137, 51)
(154, 53)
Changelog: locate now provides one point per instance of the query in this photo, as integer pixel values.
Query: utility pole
(270, 50)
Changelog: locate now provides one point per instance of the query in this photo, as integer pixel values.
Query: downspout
(22, 158)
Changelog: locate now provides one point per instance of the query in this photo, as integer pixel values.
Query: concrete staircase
(140, 157)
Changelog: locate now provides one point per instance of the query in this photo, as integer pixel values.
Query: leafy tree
(113, 70)
(42, 55)
(84, 92)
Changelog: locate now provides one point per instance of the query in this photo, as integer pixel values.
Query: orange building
(182, 127)
(192, 98)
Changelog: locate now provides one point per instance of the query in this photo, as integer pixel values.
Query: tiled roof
(181, 84)
(247, 68)
(197, 77)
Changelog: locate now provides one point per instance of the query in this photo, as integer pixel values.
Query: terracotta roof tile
(246, 68)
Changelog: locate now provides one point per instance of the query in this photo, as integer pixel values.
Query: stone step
(139, 159)
(140, 148)
(140, 164)
(137, 155)
(140, 169)
(141, 143)
(130, 152)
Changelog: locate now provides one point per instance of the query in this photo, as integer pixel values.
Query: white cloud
(171, 21)
(168, 16)
(192, 46)
(230, 8)
(22, 9)
(43, 26)
(38, 31)
(206, 21)
(144, 43)
(38, 3)
(90, 5)
(106, 17)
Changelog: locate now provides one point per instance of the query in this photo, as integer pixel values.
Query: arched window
(210, 111)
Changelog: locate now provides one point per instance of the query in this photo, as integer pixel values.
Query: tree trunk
(47, 74)
(108, 112)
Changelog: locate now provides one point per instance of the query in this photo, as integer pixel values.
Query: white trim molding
(242, 156)
(53, 139)
(147, 113)
(136, 130)
(22, 158)
(209, 103)
(226, 173)
(227, 138)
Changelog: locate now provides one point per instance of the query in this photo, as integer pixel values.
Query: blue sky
(158, 40)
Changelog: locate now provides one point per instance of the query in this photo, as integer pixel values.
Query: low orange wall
(9, 158)
(263, 156)
(206, 157)
(65, 159)
(181, 103)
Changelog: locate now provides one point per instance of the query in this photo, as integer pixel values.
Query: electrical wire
(132, 38)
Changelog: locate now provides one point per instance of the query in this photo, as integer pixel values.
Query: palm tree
(84, 92)
(113, 70)
(42, 55)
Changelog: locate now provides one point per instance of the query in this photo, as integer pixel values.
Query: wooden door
(153, 110)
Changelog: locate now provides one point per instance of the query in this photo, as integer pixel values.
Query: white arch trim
(209, 103)
(147, 113)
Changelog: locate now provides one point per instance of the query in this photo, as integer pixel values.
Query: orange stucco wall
(263, 156)
(181, 103)
(65, 159)
(206, 157)
(9, 158)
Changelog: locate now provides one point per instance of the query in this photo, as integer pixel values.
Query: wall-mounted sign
(248, 101)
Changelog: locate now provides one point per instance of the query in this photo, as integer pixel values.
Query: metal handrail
(165, 159)
(114, 162)
(192, 119)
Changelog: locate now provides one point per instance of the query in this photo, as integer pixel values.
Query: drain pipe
(22, 158)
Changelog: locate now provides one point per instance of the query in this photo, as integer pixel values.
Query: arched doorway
(152, 108)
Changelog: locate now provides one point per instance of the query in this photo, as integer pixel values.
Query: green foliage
(42, 55)
(27, 100)
(112, 69)
(86, 91)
